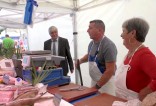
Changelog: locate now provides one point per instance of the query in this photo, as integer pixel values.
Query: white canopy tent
(47, 9)
(12, 11)
(74, 16)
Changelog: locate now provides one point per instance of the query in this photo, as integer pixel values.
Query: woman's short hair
(138, 24)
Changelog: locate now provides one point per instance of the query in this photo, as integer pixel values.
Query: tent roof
(12, 11)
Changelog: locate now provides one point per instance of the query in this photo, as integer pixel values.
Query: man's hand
(77, 63)
(72, 70)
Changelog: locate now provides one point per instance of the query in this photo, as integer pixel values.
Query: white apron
(120, 82)
(95, 74)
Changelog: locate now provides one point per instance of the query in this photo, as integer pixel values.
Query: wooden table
(73, 94)
(99, 100)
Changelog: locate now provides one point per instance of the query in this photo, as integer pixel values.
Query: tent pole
(27, 36)
(75, 33)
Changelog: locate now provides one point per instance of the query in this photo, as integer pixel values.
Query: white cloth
(95, 74)
(134, 102)
(149, 100)
(94, 71)
(121, 89)
(109, 87)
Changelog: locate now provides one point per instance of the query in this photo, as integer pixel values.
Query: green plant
(18, 53)
(39, 75)
(1, 30)
(8, 52)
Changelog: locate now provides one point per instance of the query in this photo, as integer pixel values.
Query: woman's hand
(144, 92)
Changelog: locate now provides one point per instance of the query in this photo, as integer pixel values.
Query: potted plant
(7, 53)
(6, 57)
(10, 58)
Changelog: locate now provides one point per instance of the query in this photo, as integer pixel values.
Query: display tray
(72, 95)
(37, 52)
(99, 100)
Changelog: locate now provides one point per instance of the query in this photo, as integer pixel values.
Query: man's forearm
(83, 59)
(105, 78)
(109, 72)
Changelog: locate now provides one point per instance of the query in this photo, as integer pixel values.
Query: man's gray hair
(99, 23)
(52, 28)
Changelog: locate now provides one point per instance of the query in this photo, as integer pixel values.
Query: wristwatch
(97, 86)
